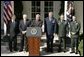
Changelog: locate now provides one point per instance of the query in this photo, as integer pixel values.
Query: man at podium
(33, 38)
(37, 22)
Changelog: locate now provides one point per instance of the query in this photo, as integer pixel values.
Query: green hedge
(80, 47)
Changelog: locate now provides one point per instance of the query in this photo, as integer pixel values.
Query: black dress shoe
(76, 52)
(72, 52)
(64, 50)
(51, 51)
(11, 51)
(47, 51)
(20, 50)
(15, 50)
(59, 50)
(26, 50)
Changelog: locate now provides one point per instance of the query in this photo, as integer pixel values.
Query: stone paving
(5, 51)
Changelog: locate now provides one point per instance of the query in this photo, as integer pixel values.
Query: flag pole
(12, 2)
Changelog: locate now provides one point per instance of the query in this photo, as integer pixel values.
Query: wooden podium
(33, 37)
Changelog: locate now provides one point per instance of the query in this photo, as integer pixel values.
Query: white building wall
(27, 8)
(79, 12)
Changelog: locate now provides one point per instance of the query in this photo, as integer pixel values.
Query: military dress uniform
(50, 28)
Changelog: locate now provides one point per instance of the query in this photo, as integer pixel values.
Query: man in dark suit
(13, 37)
(62, 29)
(37, 22)
(74, 29)
(22, 27)
(50, 28)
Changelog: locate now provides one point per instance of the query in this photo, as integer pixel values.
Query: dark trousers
(13, 43)
(64, 43)
(50, 42)
(74, 43)
(23, 42)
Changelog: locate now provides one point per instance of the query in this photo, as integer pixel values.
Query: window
(48, 6)
(42, 9)
(35, 8)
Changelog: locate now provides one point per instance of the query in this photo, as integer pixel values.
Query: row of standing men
(51, 26)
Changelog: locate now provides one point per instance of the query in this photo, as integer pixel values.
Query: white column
(65, 9)
(5, 28)
(65, 16)
(42, 14)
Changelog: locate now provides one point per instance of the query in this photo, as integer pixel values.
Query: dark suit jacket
(8, 27)
(12, 28)
(50, 26)
(35, 23)
(22, 26)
